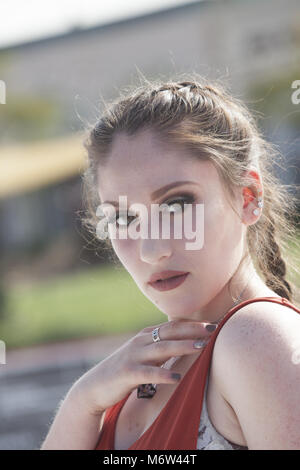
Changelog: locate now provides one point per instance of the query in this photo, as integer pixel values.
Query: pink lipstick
(168, 280)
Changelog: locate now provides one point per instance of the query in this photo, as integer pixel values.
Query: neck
(246, 286)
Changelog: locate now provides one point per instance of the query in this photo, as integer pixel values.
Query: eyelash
(185, 198)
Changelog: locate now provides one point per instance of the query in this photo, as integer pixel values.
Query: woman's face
(137, 167)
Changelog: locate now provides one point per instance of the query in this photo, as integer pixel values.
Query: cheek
(218, 234)
(126, 251)
(223, 237)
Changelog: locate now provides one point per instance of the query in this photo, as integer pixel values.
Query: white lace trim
(208, 436)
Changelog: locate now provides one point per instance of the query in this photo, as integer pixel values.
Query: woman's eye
(186, 200)
(130, 218)
(175, 204)
(189, 199)
(120, 217)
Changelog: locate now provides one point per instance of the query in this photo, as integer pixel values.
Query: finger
(164, 350)
(155, 375)
(183, 330)
(148, 329)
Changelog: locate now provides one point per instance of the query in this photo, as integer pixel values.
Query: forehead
(138, 165)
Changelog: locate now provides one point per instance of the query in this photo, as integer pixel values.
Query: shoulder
(257, 360)
(260, 323)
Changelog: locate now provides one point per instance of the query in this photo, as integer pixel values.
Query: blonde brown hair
(201, 116)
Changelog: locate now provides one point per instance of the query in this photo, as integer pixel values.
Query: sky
(26, 20)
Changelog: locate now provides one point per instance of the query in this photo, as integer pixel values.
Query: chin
(179, 309)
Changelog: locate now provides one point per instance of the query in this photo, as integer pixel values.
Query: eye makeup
(182, 198)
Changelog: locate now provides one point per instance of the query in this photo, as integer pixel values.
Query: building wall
(246, 40)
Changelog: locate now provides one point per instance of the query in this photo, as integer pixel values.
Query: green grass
(96, 301)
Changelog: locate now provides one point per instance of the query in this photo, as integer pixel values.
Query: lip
(169, 283)
(165, 275)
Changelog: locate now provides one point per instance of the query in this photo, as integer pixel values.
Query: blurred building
(55, 88)
(40, 195)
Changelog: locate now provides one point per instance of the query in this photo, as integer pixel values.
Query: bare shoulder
(257, 323)
(257, 364)
(257, 331)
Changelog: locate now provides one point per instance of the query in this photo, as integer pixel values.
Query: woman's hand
(139, 361)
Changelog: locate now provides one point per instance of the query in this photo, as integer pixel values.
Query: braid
(274, 268)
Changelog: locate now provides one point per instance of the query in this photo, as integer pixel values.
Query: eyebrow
(159, 192)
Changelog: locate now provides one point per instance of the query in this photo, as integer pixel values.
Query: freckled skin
(140, 164)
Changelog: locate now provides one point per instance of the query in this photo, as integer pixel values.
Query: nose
(153, 251)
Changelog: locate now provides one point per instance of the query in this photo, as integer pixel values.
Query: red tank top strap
(176, 426)
(278, 300)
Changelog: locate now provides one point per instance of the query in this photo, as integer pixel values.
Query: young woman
(188, 145)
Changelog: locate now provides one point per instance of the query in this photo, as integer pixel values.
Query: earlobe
(250, 213)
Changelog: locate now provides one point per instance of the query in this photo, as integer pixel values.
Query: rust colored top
(177, 425)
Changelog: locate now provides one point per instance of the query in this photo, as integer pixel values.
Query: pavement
(34, 380)
(60, 353)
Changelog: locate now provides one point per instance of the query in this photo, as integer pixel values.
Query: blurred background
(59, 314)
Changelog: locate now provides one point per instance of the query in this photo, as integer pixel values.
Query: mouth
(169, 283)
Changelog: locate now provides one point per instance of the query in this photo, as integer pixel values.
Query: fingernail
(211, 327)
(200, 343)
(176, 376)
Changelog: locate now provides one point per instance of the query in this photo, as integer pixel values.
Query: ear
(250, 195)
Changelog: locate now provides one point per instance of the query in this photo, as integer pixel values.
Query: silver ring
(155, 335)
